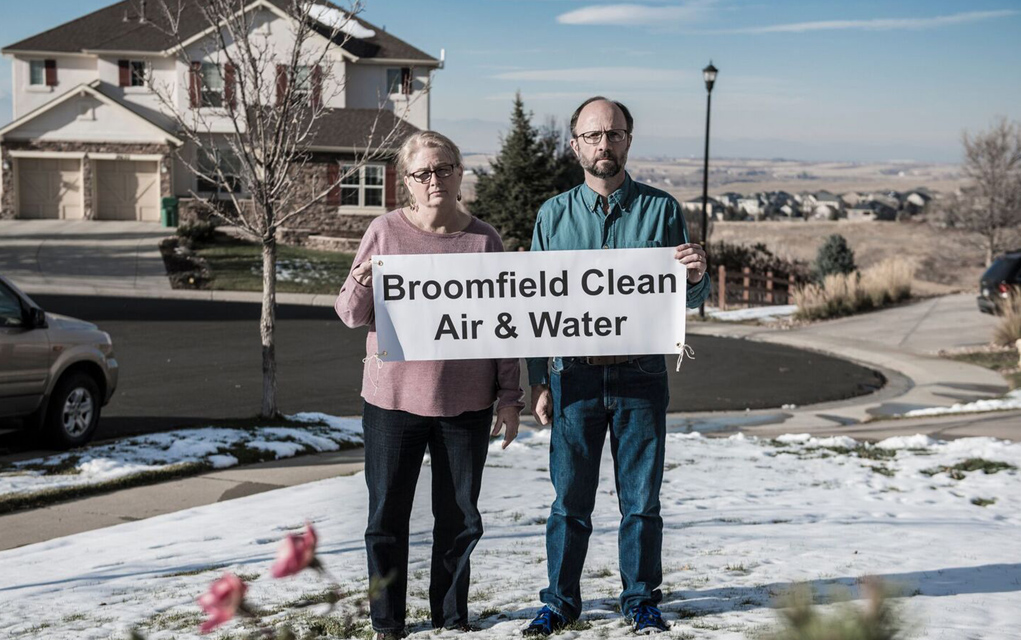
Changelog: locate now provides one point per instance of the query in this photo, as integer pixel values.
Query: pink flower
(296, 553)
(222, 601)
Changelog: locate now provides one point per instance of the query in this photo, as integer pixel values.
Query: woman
(444, 405)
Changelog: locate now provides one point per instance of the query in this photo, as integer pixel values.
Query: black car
(1001, 279)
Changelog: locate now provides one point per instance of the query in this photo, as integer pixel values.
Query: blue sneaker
(646, 619)
(546, 623)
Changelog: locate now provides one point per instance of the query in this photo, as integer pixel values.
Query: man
(583, 397)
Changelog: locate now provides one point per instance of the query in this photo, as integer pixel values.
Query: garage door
(127, 190)
(49, 188)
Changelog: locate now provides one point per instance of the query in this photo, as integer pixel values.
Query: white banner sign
(524, 304)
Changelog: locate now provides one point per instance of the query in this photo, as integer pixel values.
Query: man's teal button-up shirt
(638, 216)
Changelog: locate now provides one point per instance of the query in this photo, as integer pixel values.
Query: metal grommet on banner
(686, 350)
(379, 262)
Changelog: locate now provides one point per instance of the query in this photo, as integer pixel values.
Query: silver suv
(56, 373)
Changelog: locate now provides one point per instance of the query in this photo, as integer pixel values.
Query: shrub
(834, 257)
(1008, 329)
(877, 620)
(758, 257)
(200, 231)
(845, 294)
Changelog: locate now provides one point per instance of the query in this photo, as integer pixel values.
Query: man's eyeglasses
(425, 175)
(612, 135)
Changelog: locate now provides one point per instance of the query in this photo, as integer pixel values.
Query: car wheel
(73, 412)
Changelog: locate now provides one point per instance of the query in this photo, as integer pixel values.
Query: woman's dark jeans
(395, 444)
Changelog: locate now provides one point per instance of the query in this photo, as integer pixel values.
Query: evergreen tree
(533, 166)
(834, 257)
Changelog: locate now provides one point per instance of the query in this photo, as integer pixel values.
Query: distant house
(916, 201)
(89, 139)
(871, 210)
(714, 208)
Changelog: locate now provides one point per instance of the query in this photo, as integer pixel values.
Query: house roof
(117, 28)
(352, 129)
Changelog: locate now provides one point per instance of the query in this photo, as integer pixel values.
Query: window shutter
(281, 83)
(195, 85)
(390, 187)
(124, 67)
(332, 179)
(406, 80)
(228, 85)
(317, 87)
(51, 73)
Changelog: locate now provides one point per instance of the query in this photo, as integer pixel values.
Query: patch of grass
(884, 471)
(736, 568)
(195, 572)
(958, 470)
(489, 613)
(173, 620)
(66, 467)
(983, 502)
(516, 515)
(74, 617)
(604, 572)
(334, 626)
(326, 596)
(1001, 360)
(236, 265)
(539, 520)
(578, 625)
(839, 294)
(248, 577)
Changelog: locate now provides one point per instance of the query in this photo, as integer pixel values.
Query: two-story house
(91, 139)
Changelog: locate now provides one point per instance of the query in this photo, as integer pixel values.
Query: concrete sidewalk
(901, 343)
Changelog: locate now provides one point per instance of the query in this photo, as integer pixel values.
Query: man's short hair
(620, 105)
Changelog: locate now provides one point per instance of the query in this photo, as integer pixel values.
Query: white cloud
(879, 24)
(597, 75)
(636, 14)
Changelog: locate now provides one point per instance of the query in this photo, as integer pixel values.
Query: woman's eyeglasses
(612, 135)
(425, 175)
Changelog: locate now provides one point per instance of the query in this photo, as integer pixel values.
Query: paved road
(184, 362)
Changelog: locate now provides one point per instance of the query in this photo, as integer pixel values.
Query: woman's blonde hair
(423, 140)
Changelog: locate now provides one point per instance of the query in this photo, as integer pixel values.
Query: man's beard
(608, 171)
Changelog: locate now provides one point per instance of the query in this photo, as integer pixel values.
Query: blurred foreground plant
(225, 598)
(1008, 329)
(877, 620)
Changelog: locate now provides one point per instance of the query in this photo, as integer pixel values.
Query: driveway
(83, 255)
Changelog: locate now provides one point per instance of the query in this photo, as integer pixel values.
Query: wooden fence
(747, 289)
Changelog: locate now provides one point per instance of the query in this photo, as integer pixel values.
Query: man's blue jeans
(630, 399)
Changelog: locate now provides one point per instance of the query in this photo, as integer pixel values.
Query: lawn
(1004, 361)
(237, 266)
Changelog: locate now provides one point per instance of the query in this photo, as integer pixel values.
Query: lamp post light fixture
(709, 74)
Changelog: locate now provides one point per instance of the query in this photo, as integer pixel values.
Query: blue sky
(808, 79)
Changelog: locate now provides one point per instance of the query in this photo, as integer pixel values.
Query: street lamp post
(709, 74)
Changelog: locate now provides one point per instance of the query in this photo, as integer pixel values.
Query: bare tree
(990, 205)
(256, 100)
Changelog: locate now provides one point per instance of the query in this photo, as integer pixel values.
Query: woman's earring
(414, 206)
(458, 196)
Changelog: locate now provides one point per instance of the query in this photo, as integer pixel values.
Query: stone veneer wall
(7, 210)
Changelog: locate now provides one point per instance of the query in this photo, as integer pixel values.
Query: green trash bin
(168, 212)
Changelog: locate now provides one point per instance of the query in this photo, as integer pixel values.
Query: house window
(303, 82)
(362, 187)
(227, 162)
(212, 85)
(398, 81)
(139, 73)
(37, 72)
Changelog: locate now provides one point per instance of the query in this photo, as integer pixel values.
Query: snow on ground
(752, 313)
(1010, 401)
(215, 446)
(744, 520)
